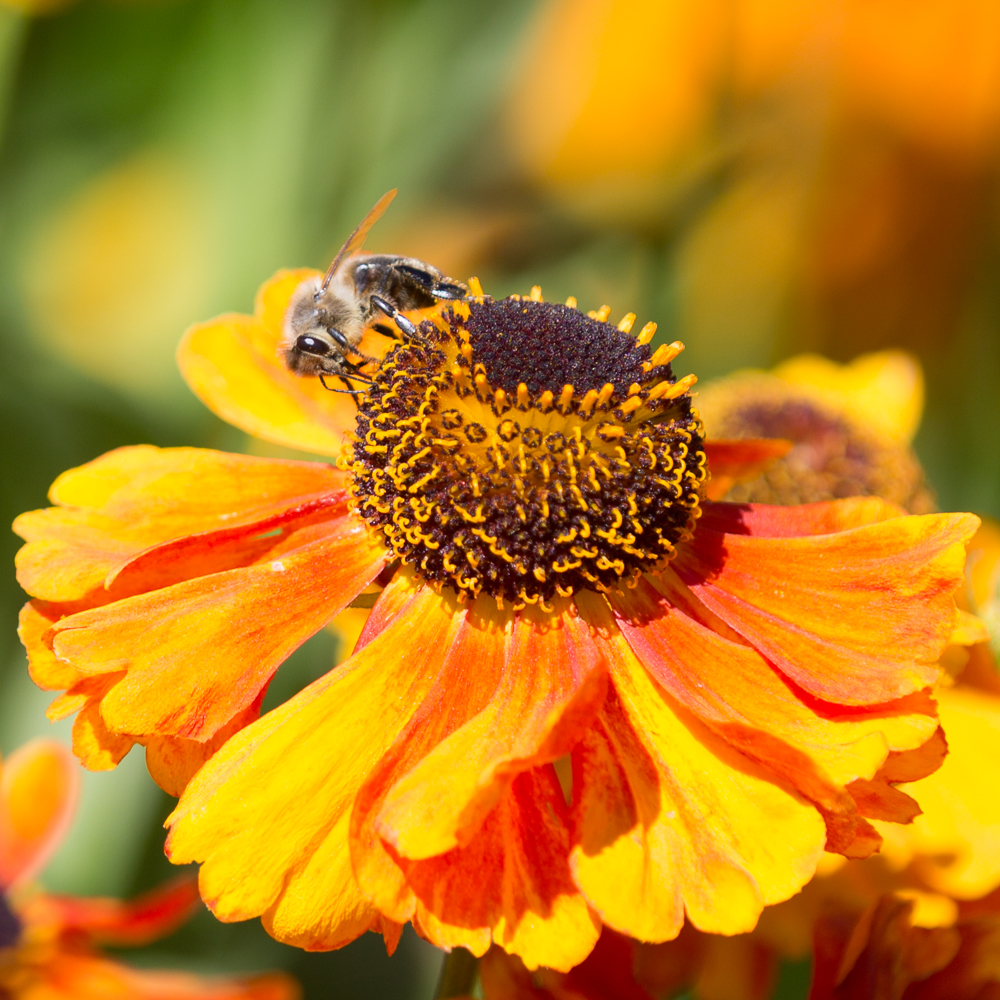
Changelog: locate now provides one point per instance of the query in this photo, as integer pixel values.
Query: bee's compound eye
(312, 345)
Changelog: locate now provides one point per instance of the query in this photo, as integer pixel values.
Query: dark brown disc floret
(525, 450)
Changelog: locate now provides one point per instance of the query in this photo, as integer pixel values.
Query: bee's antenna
(356, 240)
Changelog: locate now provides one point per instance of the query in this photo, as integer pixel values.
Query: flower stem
(458, 974)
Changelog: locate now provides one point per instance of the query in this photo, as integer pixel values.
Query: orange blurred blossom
(49, 943)
(618, 100)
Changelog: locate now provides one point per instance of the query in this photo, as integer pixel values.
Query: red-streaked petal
(226, 548)
(38, 792)
(776, 521)
(172, 761)
(543, 682)
(117, 922)
(457, 695)
(857, 617)
(699, 661)
(128, 500)
(815, 747)
(534, 687)
(74, 976)
(670, 819)
(735, 461)
(511, 883)
(198, 653)
(268, 814)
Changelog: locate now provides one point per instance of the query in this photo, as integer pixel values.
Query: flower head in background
(850, 428)
(587, 695)
(49, 943)
(616, 99)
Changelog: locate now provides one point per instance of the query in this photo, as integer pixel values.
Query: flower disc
(835, 452)
(522, 449)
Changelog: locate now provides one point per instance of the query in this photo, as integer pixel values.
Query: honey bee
(327, 316)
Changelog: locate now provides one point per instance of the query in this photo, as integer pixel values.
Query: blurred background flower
(50, 944)
(761, 177)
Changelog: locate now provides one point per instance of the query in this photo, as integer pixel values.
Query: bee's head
(312, 344)
(317, 351)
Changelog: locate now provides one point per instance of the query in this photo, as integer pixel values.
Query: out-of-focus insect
(327, 316)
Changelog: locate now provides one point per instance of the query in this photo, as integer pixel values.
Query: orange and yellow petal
(198, 653)
(39, 784)
(739, 695)
(45, 669)
(511, 884)
(540, 679)
(234, 367)
(226, 548)
(954, 845)
(96, 746)
(671, 820)
(856, 616)
(439, 833)
(112, 509)
(276, 799)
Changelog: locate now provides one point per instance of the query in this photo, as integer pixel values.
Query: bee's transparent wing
(356, 240)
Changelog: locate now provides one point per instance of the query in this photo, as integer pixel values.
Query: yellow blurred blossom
(119, 270)
(614, 94)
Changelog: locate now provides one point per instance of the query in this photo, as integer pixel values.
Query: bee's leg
(346, 392)
(405, 326)
(355, 371)
(430, 283)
